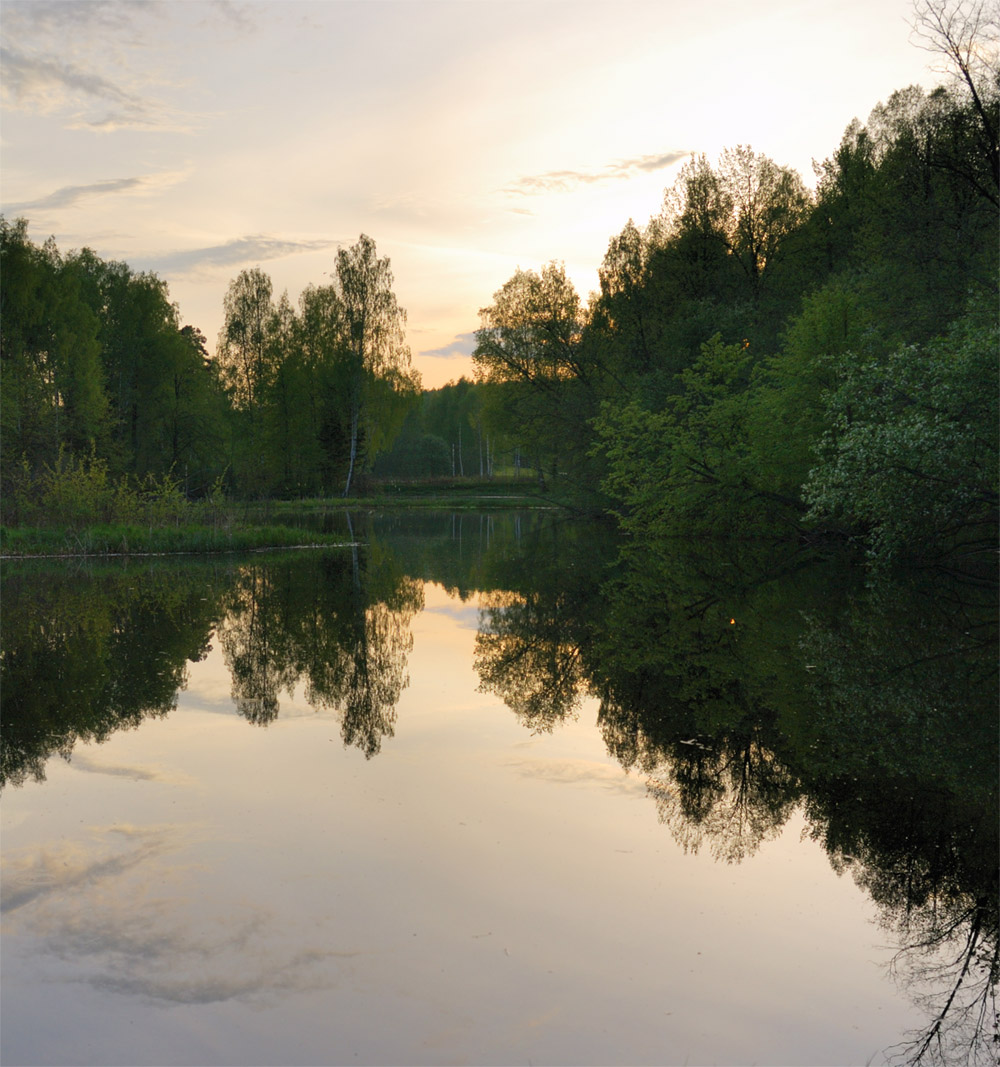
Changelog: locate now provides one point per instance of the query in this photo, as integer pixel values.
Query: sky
(199, 138)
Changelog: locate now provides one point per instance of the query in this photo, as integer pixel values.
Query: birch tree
(376, 357)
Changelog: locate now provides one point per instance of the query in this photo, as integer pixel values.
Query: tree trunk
(354, 447)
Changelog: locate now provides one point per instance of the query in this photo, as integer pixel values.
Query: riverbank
(464, 495)
(217, 526)
(123, 540)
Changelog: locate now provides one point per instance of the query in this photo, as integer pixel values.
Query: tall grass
(76, 508)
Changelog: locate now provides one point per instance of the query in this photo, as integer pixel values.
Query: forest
(761, 358)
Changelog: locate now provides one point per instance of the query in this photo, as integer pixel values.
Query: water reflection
(739, 685)
(339, 626)
(745, 688)
(86, 653)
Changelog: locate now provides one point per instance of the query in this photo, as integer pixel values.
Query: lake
(491, 789)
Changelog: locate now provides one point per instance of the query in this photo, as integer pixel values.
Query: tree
(246, 362)
(965, 33)
(620, 325)
(163, 406)
(53, 388)
(375, 357)
(911, 459)
(791, 415)
(531, 331)
(529, 348)
(317, 356)
(746, 208)
(242, 349)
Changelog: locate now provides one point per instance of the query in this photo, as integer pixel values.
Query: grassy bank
(460, 493)
(127, 540)
(76, 509)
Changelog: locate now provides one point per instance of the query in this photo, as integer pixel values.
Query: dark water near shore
(486, 789)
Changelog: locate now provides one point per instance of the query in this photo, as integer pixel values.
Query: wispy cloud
(106, 907)
(49, 83)
(561, 181)
(81, 762)
(466, 616)
(579, 772)
(253, 980)
(65, 870)
(463, 345)
(69, 195)
(253, 248)
(45, 80)
(237, 16)
(72, 18)
(142, 118)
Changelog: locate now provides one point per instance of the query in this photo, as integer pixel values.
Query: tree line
(765, 358)
(759, 357)
(97, 368)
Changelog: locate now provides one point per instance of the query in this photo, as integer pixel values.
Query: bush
(78, 492)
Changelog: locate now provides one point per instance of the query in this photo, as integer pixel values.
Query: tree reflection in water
(521, 656)
(340, 626)
(909, 804)
(745, 689)
(88, 652)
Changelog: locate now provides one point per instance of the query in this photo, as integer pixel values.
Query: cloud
(254, 248)
(129, 920)
(236, 16)
(69, 195)
(81, 762)
(579, 771)
(561, 181)
(33, 876)
(253, 980)
(45, 81)
(71, 18)
(463, 345)
(137, 119)
(466, 616)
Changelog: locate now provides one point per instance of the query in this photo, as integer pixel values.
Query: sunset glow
(202, 138)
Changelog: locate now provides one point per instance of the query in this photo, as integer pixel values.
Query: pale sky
(198, 138)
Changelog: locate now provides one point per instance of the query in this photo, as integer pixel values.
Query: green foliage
(318, 393)
(790, 415)
(695, 466)
(544, 381)
(856, 413)
(77, 492)
(100, 380)
(95, 363)
(911, 458)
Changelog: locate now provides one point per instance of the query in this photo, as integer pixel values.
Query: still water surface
(478, 790)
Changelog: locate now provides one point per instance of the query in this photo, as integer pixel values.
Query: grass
(458, 493)
(178, 526)
(127, 540)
